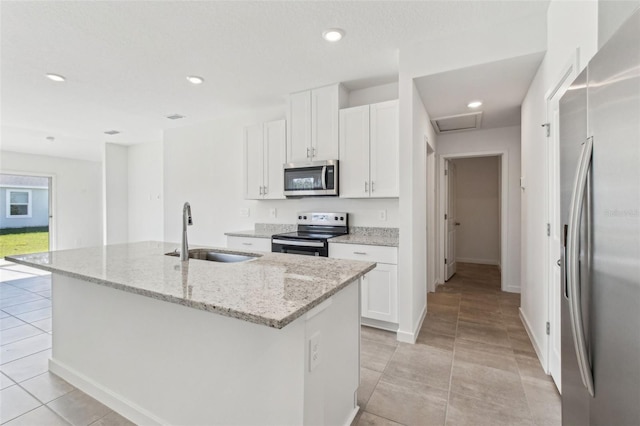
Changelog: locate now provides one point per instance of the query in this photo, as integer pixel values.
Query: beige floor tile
(10, 322)
(28, 366)
(375, 355)
(5, 381)
(78, 408)
(44, 325)
(544, 401)
(436, 323)
(487, 383)
(421, 364)
(19, 297)
(519, 341)
(450, 299)
(15, 401)
(408, 402)
(483, 333)
(480, 316)
(24, 347)
(377, 335)
(529, 366)
(466, 411)
(18, 333)
(34, 305)
(41, 416)
(46, 387)
(113, 419)
(436, 340)
(368, 381)
(33, 316)
(499, 357)
(368, 419)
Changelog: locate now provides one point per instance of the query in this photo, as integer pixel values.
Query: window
(18, 203)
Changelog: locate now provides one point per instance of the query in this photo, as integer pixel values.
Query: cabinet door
(275, 144)
(354, 152)
(324, 122)
(300, 127)
(249, 243)
(380, 293)
(384, 150)
(253, 161)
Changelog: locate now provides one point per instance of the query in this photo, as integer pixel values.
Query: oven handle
(324, 177)
(298, 243)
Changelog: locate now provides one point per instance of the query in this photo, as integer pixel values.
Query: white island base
(157, 362)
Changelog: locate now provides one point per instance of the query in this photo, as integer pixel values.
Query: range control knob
(336, 218)
(341, 217)
(299, 217)
(305, 218)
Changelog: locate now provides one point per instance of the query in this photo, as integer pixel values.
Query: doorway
(473, 214)
(25, 214)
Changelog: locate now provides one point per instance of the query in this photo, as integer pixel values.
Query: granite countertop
(252, 234)
(273, 290)
(264, 230)
(369, 240)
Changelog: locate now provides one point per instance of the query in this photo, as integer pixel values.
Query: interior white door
(324, 123)
(275, 145)
(253, 161)
(384, 167)
(354, 152)
(299, 127)
(450, 170)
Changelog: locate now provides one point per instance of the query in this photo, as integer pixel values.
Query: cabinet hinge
(547, 127)
(446, 172)
(548, 328)
(445, 216)
(548, 229)
(445, 260)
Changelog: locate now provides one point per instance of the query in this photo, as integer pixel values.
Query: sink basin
(216, 256)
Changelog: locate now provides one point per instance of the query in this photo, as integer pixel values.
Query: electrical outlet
(244, 212)
(273, 213)
(314, 351)
(382, 215)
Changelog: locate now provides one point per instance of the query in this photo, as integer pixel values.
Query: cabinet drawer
(381, 254)
(249, 243)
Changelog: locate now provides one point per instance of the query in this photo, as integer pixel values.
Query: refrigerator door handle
(573, 278)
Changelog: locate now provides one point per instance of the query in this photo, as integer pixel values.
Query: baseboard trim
(116, 402)
(512, 289)
(411, 337)
(383, 325)
(534, 342)
(352, 416)
(478, 261)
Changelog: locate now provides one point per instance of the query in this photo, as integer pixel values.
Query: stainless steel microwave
(311, 179)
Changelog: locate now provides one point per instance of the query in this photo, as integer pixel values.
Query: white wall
(477, 199)
(563, 39)
(372, 95)
(146, 209)
(77, 193)
(489, 142)
(116, 194)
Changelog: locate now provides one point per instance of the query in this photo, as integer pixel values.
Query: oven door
(304, 247)
(311, 179)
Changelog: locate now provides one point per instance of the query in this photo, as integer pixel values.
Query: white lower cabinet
(249, 243)
(379, 291)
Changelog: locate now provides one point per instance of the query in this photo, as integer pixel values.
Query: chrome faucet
(186, 221)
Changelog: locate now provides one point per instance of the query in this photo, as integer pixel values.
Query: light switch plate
(244, 212)
(273, 213)
(382, 215)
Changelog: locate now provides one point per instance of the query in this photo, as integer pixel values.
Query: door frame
(52, 201)
(505, 258)
(568, 73)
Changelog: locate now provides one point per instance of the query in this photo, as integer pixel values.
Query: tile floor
(473, 363)
(29, 394)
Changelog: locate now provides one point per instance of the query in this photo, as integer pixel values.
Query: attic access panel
(457, 123)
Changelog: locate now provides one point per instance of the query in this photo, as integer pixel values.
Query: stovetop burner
(318, 226)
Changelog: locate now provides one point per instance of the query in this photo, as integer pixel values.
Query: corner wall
(146, 211)
(116, 194)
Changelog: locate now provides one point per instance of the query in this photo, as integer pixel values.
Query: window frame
(29, 204)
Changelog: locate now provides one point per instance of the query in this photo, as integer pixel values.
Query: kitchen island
(272, 340)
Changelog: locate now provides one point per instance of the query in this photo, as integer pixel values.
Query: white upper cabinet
(264, 155)
(369, 151)
(314, 121)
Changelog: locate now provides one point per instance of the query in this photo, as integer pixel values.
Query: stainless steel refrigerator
(600, 211)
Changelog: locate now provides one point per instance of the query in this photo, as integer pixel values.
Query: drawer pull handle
(359, 252)
(247, 244)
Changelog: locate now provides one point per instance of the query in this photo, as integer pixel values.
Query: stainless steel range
(314, 231)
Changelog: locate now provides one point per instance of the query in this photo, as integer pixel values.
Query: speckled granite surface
(264, 230)
(273, 290)
(369, 236)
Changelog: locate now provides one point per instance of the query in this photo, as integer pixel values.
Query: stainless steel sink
(216, 256)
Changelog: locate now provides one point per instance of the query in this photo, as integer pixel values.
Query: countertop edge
(248, 234)
(243, 316)
(364, 242)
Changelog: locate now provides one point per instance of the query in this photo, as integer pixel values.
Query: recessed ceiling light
(56, 77)
(111, 132)
(194, 79)
(175, 117)
(333, 34)
(474, 104)
(50, 138)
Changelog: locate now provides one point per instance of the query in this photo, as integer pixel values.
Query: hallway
(473, 363)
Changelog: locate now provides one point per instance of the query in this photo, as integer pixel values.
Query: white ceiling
(126, 61)
(501, 86)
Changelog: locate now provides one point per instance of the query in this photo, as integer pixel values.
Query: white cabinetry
(369, 151)
(264, 155)
(249, 243)
(379, 298)
(314, 121)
